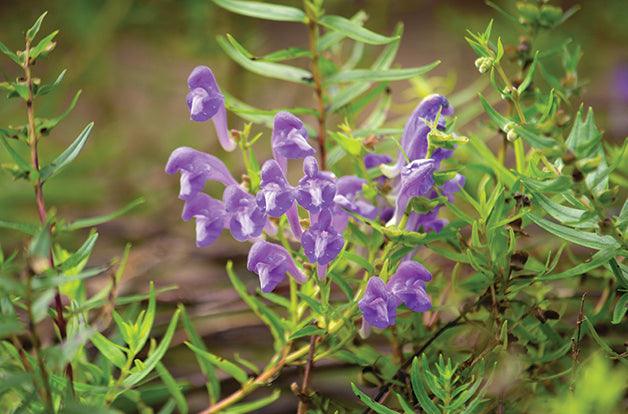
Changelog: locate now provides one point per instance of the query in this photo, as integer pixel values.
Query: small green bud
(589, 164)
(484, 64)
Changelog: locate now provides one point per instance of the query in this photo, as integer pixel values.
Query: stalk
(33, 141)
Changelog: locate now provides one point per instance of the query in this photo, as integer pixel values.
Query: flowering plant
(469, 258)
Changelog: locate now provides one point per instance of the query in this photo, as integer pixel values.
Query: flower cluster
(330, 202)
(407, 286)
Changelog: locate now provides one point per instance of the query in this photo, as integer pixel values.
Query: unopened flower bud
(511, 135)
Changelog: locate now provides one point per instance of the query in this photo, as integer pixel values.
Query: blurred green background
(131, 59)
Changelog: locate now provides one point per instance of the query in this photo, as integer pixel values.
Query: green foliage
(46, 284)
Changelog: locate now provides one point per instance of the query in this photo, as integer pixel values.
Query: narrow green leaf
(108, 349)
(620, 309)
(26, 228)
(152, 360)
(354, 31)
(368, 401)
(582, 238)
(419, 389)
(45, 46)
(267, 11)
(224, 365)
(566, 215)
(267, 69)
(213, 385)
(81, 254)
(41, 243)
(17, 158)
(369, 75)
(32, 32)
(405, 405)
(309, 330)
(95, 221)
(147, 321)
(8, 52)
(47, 88)
(10, 325)
(598, 259)
(67, 156)
(253, 406)
(173, 387)
(529, 76)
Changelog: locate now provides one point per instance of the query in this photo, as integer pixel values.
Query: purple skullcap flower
(316, 190)
(196, 169)
(275, 196)
(379, 304)
(289, 139)
(348, 189)
(210, 217)
(417, 178)
(408, 284)
(246, 219)
(206, 102)
(414, 137)
(321, 243)
(271, 262)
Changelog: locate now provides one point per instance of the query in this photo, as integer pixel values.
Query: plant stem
(318, 83)
(33, 140)
(302, 407)
(267, 375)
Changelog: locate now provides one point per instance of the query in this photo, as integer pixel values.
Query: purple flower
(407, 286)
(373, 160)
(246, 219)
(451, 187)
(206, 102)
(210, 217)
(414, 137)
(271, 262)
(289, 139)
(316, 190)
(417, 178)
(275, 196)
(348, 189)
(321, 243)
(379, 305)
(196, 169)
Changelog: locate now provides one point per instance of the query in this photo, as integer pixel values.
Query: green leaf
(81, 254)
(39, 246)
(173, 387)
(582, 238)
(419, 389)
(56, 279)
(359, 260)
(108, 349)
(95, 221)
(529, 76)
(45, 125)
(22, 164)
(332, 38)
(32, 32)
(213, 385)
(620, 309)
(501, 121)
(370, 75)
(383, 62)
(152, 360)
(27, 228)
(368, 401)
(67, 156)
(598, 259)
(47, 88)
(270, 318)
(45, 46)
(286, 54)
(354, 31)
(253, 406)
(224, 365)
(405, 405)
(267, 69)
(146, 323)
(308, 330)
(8, 52)
(566, 215)
(267, 11)
(596, 337)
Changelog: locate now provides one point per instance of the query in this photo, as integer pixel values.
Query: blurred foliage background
(131, 58)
